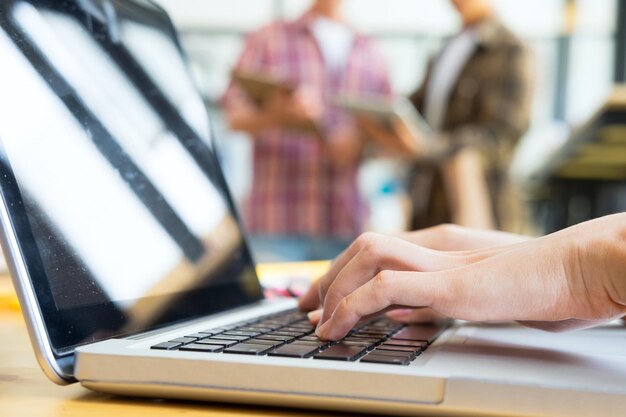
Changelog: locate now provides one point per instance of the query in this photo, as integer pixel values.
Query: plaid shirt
(296, 189)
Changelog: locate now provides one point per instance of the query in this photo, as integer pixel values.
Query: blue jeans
(295, 248)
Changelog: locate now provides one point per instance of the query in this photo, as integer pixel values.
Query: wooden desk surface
(26, 392)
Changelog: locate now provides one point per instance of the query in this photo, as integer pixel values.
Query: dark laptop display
(106, 144)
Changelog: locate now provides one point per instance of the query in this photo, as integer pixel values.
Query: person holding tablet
(476, 96)
(304, 200)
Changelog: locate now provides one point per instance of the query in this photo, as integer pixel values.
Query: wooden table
(26, 392)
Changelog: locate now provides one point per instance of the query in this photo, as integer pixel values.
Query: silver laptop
(134, 275)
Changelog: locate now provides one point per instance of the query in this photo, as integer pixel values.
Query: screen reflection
(110, 145)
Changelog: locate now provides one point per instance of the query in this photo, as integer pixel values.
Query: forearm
(467, 190)
(385, 140)
(251, 121)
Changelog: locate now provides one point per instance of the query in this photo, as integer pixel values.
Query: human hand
(372, 127)
(445, 237)
(375, 129)
(295, 109)
(411, 140)
(396, 137)
(450, 237)
(544, 283)
(366, 257)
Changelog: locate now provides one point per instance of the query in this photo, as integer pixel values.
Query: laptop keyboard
(290, 334)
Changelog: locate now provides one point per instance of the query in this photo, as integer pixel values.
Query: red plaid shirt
(296, 190)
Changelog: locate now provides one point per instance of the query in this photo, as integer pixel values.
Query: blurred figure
(304, 201)
(476, 96)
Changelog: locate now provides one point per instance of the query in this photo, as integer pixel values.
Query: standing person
(476, 96)
(304, 199)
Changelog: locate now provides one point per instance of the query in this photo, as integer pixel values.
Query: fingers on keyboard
(290, 335)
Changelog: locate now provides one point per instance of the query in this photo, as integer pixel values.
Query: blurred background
(578, 48)
(559, 112)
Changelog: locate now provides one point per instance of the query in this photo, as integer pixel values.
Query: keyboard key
(249, 349)
(380, 328)
(426, 333)
(311, 338)
(197, 336)
(411, 343)
(284, 333)
(362, 339)
(373, 335)
(298, 323)
(394, 348)
(260, 329)
(319, 344)
(218, 342)
(300, 330)
(386, 360)
(183, 340)
(295, 351)
(238, 338)
(274, 343)
(368, 346)
(382, 352)
(272, 323)
(302, 325)
(286, 339)
(166, 346)
(197, 347)
(241, 333)
(342, 352)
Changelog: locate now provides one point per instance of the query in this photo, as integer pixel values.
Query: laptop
(134, 275)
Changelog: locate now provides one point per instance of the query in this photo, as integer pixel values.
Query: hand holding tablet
(292, 107)
(394, 123)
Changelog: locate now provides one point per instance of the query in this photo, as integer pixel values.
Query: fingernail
(319, 332)
(315, 316)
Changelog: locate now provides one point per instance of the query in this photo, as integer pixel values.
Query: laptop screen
(108, 173)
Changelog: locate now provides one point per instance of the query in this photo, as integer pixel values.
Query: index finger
(388, 288)
(365, 240)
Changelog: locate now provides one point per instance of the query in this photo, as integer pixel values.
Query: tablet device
(261, 87)
(389, 110)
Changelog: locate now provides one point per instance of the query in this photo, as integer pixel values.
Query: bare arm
(250, 120)
(570, 279)
(467, 190)
(282, 110)
(398, 141)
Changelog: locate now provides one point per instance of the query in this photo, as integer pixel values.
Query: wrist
(602, 257)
